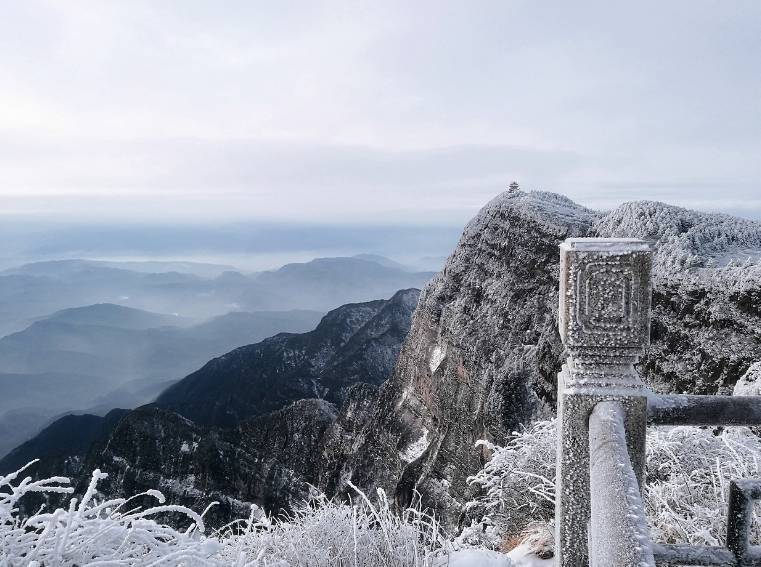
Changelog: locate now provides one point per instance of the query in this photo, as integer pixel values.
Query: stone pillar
(604, 322)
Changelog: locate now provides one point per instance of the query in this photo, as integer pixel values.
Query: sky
(373, 112)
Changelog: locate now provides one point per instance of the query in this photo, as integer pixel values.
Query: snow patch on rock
(749, 383)
(416, 449)
(437, 357)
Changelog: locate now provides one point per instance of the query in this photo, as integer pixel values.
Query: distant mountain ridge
(355, 343)
(260, 414)
(112, 315)
(104, 356)
(120, 343)
(35, 290)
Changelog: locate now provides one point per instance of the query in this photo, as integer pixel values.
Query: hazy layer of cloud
(357, 112)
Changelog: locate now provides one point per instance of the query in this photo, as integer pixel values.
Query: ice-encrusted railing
(604, 409)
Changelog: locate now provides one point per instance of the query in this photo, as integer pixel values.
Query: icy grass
(687, 482)
(112, 533)
(95, 533)
(332, 534)
(688, 476)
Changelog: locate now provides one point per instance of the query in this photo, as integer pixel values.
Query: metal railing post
(604, 322)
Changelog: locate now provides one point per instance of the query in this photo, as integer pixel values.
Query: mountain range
(119, 353)
(356, 343)
(479, 361)
(36, 290)
(259, 415)
(99, 357)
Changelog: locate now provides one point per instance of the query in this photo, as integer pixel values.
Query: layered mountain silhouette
(480, 359)
(105, 356)
(122, 352)
(254, 417)
(38, 289)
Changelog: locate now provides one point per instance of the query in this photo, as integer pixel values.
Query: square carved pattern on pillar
(606, 297)
(605, 286)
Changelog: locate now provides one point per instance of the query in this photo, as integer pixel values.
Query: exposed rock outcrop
(481, 356)
(265, 460)
(483, 353)
(358, 342)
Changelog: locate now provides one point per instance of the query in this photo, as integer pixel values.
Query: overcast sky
(412, 111)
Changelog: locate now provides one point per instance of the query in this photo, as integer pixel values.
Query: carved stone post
(605, 326)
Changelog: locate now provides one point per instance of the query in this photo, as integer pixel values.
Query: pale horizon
(361, 113)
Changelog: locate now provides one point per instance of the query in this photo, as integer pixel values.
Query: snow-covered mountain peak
(542, 206)
(686, 239)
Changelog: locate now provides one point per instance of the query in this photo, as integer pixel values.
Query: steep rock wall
(483, 353)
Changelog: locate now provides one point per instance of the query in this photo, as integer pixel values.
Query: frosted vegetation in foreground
(112, 532)
(687, 483)
(688, 476)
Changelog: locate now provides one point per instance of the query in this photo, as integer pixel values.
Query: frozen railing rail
(604, 409)
(618, 533)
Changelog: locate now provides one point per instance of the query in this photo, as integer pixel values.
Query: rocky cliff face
(358, 342)
(266, 460)
(483, 352)
(481, 356)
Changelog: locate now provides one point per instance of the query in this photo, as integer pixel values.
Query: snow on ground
(521, 556)
(476, 558)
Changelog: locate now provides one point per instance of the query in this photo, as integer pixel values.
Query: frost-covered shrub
(688, 474)
(109, 532)
(330, 534)
(113, 532)
(517, 482)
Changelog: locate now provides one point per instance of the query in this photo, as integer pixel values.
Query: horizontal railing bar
(704, 410)
(670, 555)
(618, 529)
